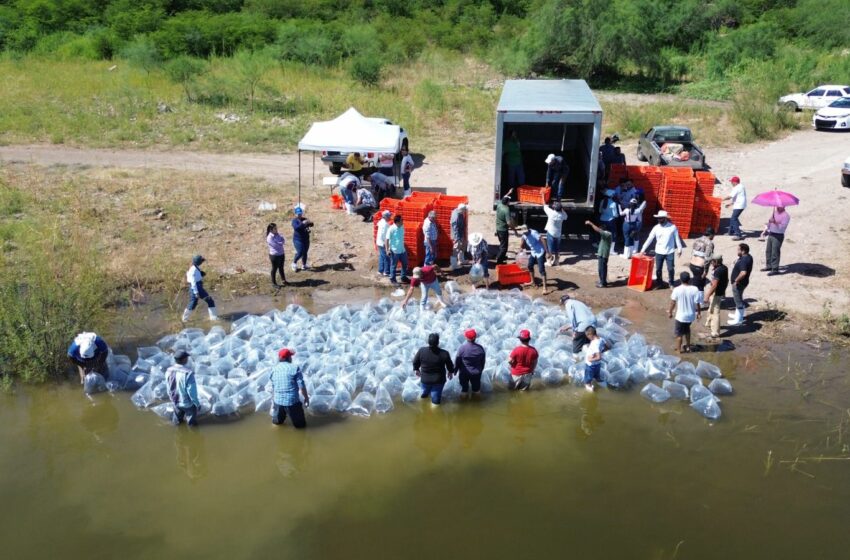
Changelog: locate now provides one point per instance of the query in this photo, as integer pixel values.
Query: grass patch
(708, 122)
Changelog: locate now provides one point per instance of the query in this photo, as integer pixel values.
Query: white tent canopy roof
(352, 132)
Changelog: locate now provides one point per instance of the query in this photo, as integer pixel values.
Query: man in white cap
(480, 251)
(556, 174)
(555, 218)
(381, 244)
(458, 233)
(89, 352)
(667, 240)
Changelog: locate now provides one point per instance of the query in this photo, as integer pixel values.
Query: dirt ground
(806, 163)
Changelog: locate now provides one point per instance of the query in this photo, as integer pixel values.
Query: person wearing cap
(381, 244)
(603, 251)
(523, 361)
(426, 278)
(459, 226)
(300, 238)
(557, 171)
(365, 205)
(714, 294)
(407, 165)
(429, 231)
(287, 382)
(555, 218)
(382, 185)
(395, 248)
(631, 215)
(532, 242)
(667, 240)
(480, 251)
(579, 317)
(469, 361)
(182, 390)
(432, 364)
(701, 252)
(348, 185)
(609, 211)
(88, 352)
(686, 301)
(738, 201)
(503, 222)
(195, 278)
(596, 346)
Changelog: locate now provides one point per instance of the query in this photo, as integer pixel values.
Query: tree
(142, 53)
(184, 70)
(251, 68)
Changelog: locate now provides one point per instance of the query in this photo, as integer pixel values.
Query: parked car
(670, 145)
(835, 116)
(335, 160)
(818, 98)
(845, 173)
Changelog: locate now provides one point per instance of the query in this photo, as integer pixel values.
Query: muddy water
(549, 474)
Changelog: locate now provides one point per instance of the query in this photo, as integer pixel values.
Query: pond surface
(549, 474)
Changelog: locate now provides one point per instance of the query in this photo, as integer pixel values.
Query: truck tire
(640, 155)
(404, 144)
(845, 181)
(336, 168)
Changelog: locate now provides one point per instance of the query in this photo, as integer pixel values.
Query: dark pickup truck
(670, 145)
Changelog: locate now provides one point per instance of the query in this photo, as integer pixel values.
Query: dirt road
(807, 163)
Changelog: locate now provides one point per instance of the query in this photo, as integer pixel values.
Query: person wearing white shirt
(631, 215)
(381, 244)
(686, 300)
(555, 218)
(195, 278)
(775, 232)
(407, 165)
(738, 198)
(348, 185)
(665, 234)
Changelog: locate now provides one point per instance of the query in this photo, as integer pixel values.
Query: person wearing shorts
(686, 301)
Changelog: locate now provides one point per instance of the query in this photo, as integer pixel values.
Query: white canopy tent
(349, 132)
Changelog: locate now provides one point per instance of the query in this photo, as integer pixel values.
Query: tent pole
(299, 177)
(314, 169)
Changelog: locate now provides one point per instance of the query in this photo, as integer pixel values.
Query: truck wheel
(640, 155)
(791, 106)
(845, 181)
(336, 168)
(404, 144)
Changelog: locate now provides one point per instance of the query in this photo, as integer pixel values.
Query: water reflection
(432, 430)
(471, 424)
(293, 452)
(191, 452)
(99, 416)
(591, 418)
(522, 415)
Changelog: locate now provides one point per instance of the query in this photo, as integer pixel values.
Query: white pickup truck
(335, 160)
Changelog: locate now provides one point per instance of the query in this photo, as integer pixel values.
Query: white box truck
(560, 117)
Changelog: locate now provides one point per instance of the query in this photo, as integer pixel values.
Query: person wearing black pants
(275, 242)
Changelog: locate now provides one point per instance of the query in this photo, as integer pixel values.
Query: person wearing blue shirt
(300, 238)
(609, 212)
(183, 390)
(532, 242)
(287, 381)
(89, 352)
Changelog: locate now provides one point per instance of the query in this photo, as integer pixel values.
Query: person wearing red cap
(738, 198)
(287, 381)
(469, 361)
(523, 360)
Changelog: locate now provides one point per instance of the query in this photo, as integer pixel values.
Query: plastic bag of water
(94, 383)
(707, 407)
(676, 390)
(720, 387)
(654, 393)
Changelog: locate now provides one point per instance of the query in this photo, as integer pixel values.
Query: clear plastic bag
(654, 393)
(676, 390)
(94, 383)
(720, 387)
(707, 407)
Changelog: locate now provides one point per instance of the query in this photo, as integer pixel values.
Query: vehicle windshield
(672, 135)
(843, 103)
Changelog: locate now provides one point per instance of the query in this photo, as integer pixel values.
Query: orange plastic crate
(534, 195)
(512, 274)
(640, 274)
(336, 202)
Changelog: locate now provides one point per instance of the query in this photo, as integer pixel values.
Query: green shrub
(366, 69)
(184, 70)
(142, 53)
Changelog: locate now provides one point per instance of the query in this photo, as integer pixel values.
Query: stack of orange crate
(647, 177)
(444, 207)
(678, 197)
(414, 211)
(391, 204)
(707, 210)
(705, 183)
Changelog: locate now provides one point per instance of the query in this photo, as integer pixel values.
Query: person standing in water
(183, 390)
(431, 364)
(287, 381)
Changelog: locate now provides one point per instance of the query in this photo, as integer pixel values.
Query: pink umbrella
(776, 198)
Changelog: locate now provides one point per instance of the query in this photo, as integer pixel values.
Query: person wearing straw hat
(774, 230)
(480, 251)
(88, 352)
(523, 361)
(182, 390)
(458, 223)
(667, 240)
(287, 381)
(195, 278)
(738, 201)
(469, 361)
